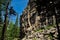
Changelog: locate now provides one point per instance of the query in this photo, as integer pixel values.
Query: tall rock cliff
(31, 20)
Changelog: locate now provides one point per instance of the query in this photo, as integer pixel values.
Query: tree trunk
(46, 21)
(58, 30)
(5, 23)
(54, 20)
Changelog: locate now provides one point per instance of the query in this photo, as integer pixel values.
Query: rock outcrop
(31, 20)
(50, 34)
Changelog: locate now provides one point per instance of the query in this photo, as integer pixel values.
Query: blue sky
(18, 6)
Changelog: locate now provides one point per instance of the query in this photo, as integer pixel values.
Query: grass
(34, 38)
(40, 30)
(46, 28)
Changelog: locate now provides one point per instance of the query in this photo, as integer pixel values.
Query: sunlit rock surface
(31, 20)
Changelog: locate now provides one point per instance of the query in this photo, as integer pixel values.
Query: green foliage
(49, 27)
(34, 38)
(45, 28)
(1, 30)
(12, 31)
(39, 30)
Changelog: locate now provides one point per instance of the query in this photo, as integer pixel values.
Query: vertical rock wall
(31, 20)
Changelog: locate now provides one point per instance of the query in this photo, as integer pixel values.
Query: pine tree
(16, 28)
(5, 20)
(1, 20)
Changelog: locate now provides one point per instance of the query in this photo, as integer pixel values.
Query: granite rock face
(31, 20)
(44, 35)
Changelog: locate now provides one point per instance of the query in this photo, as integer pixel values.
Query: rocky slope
(50, 34)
